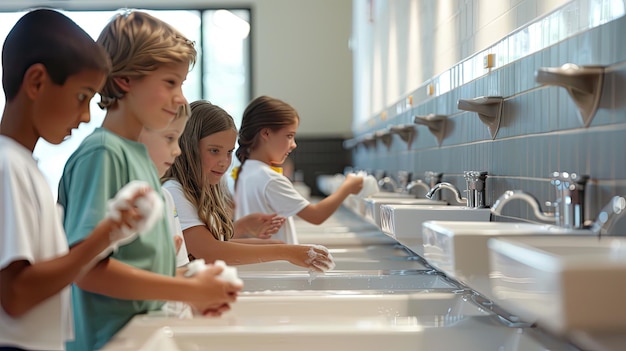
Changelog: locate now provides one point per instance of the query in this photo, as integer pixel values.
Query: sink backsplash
(540, 129)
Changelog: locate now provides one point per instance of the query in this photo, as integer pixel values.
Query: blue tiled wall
(540, 129)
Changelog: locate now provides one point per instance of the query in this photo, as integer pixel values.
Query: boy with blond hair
(150, 61)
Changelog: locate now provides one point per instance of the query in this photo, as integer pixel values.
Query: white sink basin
(404, 222)
(459, 248)
(373, 257)
(346, 281)
(357, 305)
(343, 239)
(268, 334)
(357, 205)
(335, 331)
(372, 206)
(565, 283)
(342, 264)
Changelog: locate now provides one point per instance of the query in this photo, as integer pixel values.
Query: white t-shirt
(260, 189)
(182, 258)
(31, 230)
(187, 212)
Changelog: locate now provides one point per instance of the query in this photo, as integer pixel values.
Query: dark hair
(213, 202)
(262, 112)
(52, 39)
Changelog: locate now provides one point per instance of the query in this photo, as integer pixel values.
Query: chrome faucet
(570, 199)
(475, 189)
(445, 185)
(387, 182)
(475, 181)
(511, 195)
(609, 215)
(569, 205)
(430, 180)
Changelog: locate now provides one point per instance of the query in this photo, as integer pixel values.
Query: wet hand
(314, 257)
(134, 209)
(213, 294)
(353, 183)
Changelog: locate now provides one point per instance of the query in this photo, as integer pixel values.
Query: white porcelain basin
(342, 264)
(346, 280)
(324, 332)
(357, 305)
(565, 283)
(373, 257)
(268, 334)
(404, 222)
(459, 248)
(344, 239)
(371, 206)
(333, 226)
(357, 205)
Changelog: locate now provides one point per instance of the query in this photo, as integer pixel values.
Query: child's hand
(314, 257)
(262, 225)
(135, 208)
(353, 183)
(212, 295)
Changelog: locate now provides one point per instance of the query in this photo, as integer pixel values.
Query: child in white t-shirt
(266, 137)
(51, 71)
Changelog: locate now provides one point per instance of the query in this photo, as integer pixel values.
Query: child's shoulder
(14, 155)
(171, 185)
(104, 141)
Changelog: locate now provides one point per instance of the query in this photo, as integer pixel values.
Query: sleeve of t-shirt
(187, 212)
(85, 187)
(283, 197)
(18, 219)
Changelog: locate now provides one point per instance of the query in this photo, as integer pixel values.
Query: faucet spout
(610, 214)
(511, 195)
(389, 183)
(417, 183)
(445, 185)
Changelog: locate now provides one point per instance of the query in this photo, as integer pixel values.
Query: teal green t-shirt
(102, 165)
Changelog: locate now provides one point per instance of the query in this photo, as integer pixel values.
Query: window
(221, 75)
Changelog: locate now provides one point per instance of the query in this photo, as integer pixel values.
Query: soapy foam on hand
(229, 274)
(370, 185)
(315, 263)
(149, 206)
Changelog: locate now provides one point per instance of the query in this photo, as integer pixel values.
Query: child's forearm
(116, 279)
(26, 285)
(319, 212)
(201, 244)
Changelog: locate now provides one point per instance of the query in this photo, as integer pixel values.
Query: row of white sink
(568, 281)
(380, 295)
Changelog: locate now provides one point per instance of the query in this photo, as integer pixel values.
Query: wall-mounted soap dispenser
(436, 125)
(385, 136)
(583, 83)
(369, 141)
(489, 109)
(406, 132)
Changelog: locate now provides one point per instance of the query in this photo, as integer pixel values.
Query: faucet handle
(475, 181)
(432, 178)
(570, 198)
